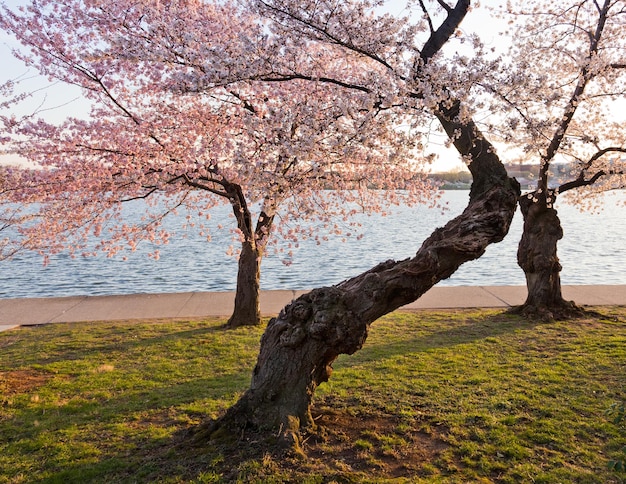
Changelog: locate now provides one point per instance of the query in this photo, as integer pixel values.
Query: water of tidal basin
(591, 252)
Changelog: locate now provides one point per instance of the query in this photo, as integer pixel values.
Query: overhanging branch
(582, 179)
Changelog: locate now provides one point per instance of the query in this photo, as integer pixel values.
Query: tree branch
(325, 33)
(140, 197)
(585, 76)
(329, 80)
(246, 104)
(237, 199)
(201, 186)
(581, 181)
(445, 31)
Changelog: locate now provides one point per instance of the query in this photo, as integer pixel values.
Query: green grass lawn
(462, 396)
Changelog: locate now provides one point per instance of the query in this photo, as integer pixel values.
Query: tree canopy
(194, 104)
(185, 105)
(563, 92)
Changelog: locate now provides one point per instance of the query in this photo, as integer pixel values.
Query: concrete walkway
(34, 311)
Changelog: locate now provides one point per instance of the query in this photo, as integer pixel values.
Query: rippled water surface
(593, 251)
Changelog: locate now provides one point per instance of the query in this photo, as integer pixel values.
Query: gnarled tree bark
(537, 256)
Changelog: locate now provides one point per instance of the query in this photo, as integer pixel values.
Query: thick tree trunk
(537, 256)
(300, 345)
(247, 311)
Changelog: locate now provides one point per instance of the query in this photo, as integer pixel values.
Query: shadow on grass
(462, 330)
(124, 341)
(142, 436)
(146, 460)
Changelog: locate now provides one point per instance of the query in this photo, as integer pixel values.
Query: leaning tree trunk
(247, 310)
(300, 345)
(537, 256)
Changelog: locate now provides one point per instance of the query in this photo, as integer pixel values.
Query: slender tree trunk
(247, 311)
(537, 256)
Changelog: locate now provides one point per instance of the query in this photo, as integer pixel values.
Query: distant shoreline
(455, 186)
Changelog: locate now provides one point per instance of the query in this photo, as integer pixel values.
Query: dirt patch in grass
(381, 445)
(21, 381)
(345, 447)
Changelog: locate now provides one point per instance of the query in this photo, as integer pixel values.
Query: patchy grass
(462, 396)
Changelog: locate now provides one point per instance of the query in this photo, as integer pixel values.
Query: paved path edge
(34, 311)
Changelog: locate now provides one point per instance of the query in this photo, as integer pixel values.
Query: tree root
(558, 311)
(235, 428)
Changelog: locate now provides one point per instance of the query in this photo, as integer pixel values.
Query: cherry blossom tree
(301, 344)
(377, 85)
(182, 118)
(564, 94)
(374, 65)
